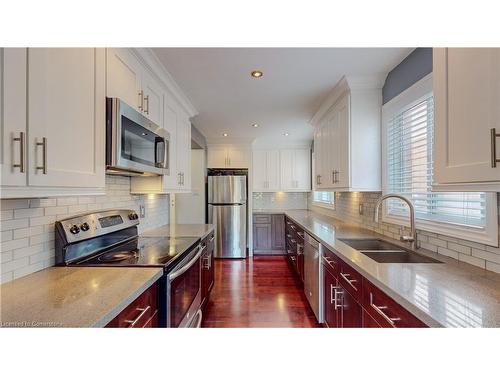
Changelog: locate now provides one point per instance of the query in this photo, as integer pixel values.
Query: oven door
(184, 291)
(135, 143)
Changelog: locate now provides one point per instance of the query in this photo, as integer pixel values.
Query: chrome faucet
(412, 239)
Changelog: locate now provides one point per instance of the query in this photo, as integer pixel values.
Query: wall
(279, 201)
(414, 67)
(27, 225)
(346, 209)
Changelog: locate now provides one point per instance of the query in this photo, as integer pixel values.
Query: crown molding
(348, 84)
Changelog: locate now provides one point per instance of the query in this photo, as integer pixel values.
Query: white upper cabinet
(153, 98)
(266, 170)
(285, 170)
(467, 107)
(123, 76)
(295, 168)
(228, 156)
(65, 125)
(347, 143)
(133, 82)
(13, 116)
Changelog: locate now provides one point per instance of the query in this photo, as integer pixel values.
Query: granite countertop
(449, 294)
(180, 230)
(72, 296)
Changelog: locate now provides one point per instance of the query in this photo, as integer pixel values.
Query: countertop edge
(104, 320)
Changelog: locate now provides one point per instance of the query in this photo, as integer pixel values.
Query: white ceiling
(295, 82)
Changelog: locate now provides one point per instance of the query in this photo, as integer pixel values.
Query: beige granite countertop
(180, 230)
(72, 296)
(450, 294)
(269, 211)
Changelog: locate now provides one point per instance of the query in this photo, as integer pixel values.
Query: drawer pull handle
(329, 261)
(379, 309)
(494, 135)
(43, 143)
(143, 311)
(22, 142)
(350, 281)
(212, 239)
(334, 294)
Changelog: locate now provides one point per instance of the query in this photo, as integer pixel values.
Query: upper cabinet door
(13, 116)
(342, 143)
(66, 117)
(184, 152)
(286, 169)
(123, 77)
(217, 157)
(238, 157)
(259, 170)
(302, 169)
(273, 170)
(467, 106)
(154, 97)
(171, 181)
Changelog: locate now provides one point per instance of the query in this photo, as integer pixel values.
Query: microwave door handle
(184, 268)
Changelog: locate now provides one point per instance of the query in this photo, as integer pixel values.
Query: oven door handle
(184, 268)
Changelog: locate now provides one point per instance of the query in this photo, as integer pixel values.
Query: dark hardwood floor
(257, 292)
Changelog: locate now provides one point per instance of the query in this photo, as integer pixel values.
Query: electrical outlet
(142, 211)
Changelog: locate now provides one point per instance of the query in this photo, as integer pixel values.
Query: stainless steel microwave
(135, 146)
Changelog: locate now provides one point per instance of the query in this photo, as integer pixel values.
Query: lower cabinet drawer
(385, 311)
(262, 219)
(142, 313)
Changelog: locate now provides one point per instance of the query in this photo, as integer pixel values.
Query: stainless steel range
(110, 239)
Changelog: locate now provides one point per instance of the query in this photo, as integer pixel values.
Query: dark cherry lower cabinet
(351, 301)
(142, 313)
(269, 234)
(294, 239)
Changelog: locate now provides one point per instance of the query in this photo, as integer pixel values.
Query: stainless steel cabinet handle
(182, 178)
(43, 143)
(319, 179)
(349, 281)
(134, 322)
(299, 251)
(141, 100)
(229, 161)
(336, 294)
(494, 135)
(379, 309)
(22, 142)
(212, 239)
(146, 101)
(329, 261)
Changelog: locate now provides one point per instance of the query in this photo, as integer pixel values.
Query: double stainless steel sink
(385, 252)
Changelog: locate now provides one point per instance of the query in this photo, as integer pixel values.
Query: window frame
(487, 235)
(330, 206)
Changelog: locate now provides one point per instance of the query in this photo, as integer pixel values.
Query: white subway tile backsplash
(27, 226)
(280, 201)
(346, 209)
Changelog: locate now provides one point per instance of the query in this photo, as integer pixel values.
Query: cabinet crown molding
(348, 84)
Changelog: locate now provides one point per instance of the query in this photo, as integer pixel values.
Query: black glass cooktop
(143, 251)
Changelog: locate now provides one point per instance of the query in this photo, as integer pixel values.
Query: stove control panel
(82, 227)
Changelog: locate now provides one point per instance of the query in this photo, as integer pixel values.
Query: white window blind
(409, 171)
(324, 197)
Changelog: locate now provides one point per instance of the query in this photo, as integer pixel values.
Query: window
(324, 198)
(408, 138)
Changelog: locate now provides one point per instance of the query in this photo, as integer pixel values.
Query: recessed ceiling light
(286, 134)
(255, 125)
(224, 134)
(256, 74)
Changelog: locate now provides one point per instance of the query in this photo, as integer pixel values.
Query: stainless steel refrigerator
(227, 210)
